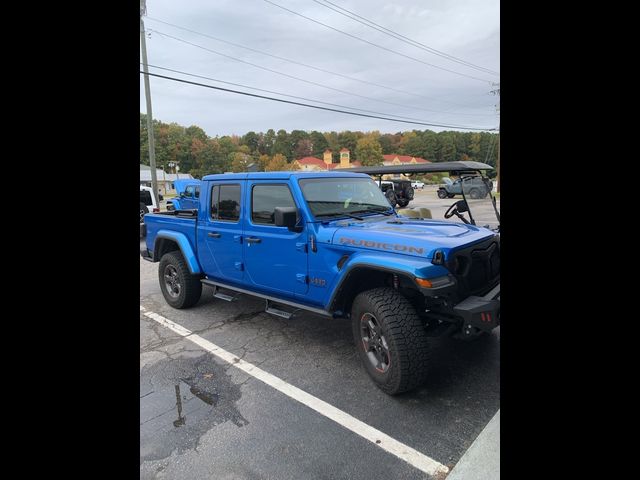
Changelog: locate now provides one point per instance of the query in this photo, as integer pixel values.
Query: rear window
(225, 202)
(145, 197)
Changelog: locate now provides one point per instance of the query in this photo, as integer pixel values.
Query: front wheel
(391, 340)
(180, 288)
(442, 193)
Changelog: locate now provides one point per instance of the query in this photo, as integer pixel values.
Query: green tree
(474, 146)
(369, 151)
(282, 144)
(251, 140)
(319, 144)
(447, 151)
(267, 142)
(349, 139)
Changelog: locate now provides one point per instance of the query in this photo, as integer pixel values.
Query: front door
(221, 232)
(275, 257)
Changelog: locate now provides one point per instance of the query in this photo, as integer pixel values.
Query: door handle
(214, 234)
(253, 240)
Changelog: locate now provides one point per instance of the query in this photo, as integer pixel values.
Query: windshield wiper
(340, 214)
(386, 212)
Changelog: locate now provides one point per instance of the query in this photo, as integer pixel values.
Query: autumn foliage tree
(277, 163)
(199, 154)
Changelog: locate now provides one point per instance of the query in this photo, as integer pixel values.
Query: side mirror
(462, 206)
(286, 217)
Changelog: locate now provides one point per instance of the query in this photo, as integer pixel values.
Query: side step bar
(269, 308)
(317, 311)
(223, 296)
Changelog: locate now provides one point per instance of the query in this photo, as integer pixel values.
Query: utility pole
(498, 165)
(147, 92)
(497, 92)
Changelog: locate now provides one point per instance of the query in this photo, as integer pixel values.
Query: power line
(490, 150)
(280, 93)
(401, 37)
(217, 39)
(375, 44)
(292, 76)
(311, 106)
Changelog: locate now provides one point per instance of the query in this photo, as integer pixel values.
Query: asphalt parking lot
(202, 417)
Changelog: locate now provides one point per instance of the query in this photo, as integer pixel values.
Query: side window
(225, 202)
(189, 191)
(265, 199)
(198, 192)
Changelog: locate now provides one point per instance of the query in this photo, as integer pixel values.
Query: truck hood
(408, 236)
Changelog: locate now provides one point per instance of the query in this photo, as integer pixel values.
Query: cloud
(468, 29)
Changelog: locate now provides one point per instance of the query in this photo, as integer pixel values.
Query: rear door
(275, 257)
(220, 232)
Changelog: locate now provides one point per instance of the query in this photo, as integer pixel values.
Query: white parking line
(375, 436)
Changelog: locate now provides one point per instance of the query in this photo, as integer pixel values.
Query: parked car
(188, 191)
(329, 243)
(475, 187)
(398, 192)
(147, 204)
(415, 184)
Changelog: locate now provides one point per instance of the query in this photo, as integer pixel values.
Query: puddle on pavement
(182, 399)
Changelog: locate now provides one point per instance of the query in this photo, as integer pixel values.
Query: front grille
(477, 268)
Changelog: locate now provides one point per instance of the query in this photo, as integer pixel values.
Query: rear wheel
(474, 193)
(180, 288)
(442, 193)
(143, 211)
(391, 340)
(403, 203)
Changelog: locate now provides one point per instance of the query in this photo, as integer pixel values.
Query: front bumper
(482, 313)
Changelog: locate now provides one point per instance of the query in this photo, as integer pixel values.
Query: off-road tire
(143, 211)
(190, 286)
(474, 193)
(404, 334)
(403, 203)
(442, 193)
(391, 197)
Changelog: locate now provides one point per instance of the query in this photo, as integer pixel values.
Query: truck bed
(177, 221)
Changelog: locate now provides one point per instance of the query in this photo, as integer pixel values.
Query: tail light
(156, 210)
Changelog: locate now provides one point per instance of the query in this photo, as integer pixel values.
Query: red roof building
(316, 164)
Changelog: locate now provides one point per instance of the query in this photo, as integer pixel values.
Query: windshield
(478, 192)
(332, 197)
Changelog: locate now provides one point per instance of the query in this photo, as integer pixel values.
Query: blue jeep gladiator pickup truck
(188, 195)
(331, 244)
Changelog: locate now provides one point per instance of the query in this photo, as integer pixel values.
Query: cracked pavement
(201, 417)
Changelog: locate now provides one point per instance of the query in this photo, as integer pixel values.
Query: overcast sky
(466, 29)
